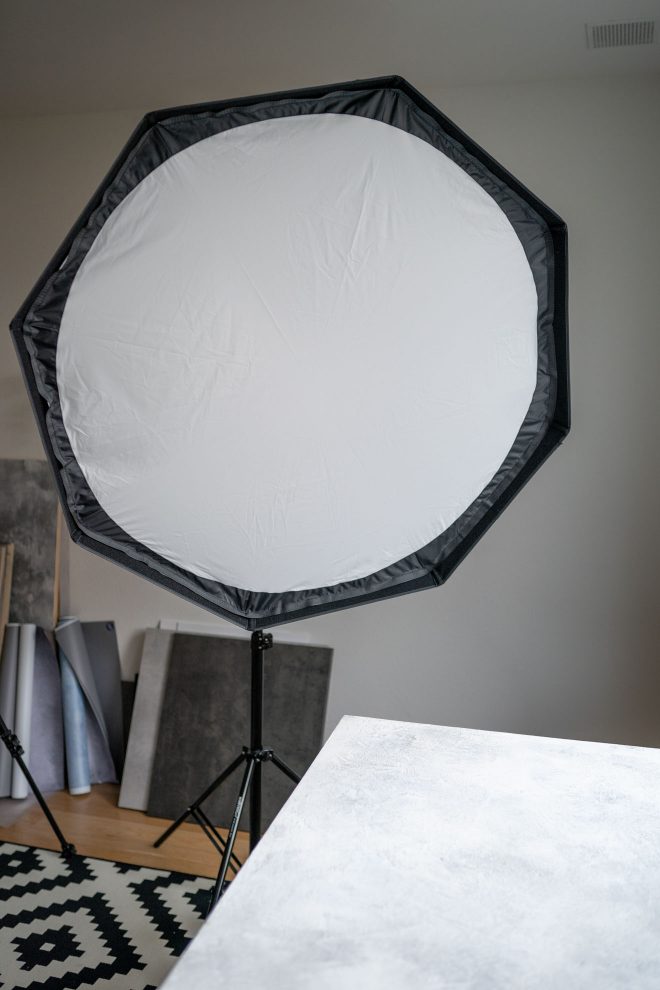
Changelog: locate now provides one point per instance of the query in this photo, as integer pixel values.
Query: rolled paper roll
(23, 714)
(75, 730)
(8, 672)
(72, 645)
(47, 760)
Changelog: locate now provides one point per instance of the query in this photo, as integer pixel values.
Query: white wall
(552, 624)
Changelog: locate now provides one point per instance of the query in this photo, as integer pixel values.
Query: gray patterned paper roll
(75, 730)
(8, 671)
(23, 715)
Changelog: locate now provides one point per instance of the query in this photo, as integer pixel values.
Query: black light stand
(252, 756)
(15, 749)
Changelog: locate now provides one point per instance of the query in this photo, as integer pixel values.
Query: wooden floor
(97, 827)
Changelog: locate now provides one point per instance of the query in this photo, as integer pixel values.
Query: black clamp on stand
(13, 744)
(253, 757)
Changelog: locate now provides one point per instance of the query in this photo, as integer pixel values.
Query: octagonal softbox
(299, 351)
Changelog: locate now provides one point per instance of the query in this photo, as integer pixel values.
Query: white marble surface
(418, 856)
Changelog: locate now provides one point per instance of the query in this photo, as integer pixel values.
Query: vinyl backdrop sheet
(300, 350)
(89, 681)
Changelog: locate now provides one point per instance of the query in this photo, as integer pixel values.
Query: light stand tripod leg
(214, 836)
(13, 744)
(281, 765)
(233, 829)
(251, 783)
(192, 808)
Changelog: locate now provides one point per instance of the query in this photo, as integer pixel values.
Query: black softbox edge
(554, 435)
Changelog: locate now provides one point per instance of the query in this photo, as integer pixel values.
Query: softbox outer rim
(162, 133)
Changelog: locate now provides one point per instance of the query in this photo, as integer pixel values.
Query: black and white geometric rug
(92, 922)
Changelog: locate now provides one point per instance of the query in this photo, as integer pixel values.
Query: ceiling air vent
(620, 34)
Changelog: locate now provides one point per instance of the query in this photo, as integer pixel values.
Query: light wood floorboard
(97, 827)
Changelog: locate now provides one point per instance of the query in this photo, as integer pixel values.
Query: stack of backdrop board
(31, 705)
(191, 718)
(67, 715)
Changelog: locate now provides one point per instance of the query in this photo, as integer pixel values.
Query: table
(420, 856)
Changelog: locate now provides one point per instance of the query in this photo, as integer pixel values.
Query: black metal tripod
(13, 744)
(252, 756)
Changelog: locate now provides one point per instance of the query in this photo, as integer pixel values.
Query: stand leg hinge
(13, 744)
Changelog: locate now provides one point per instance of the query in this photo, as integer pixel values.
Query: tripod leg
(15, 749)
(200, 800)
(233, 829)
(281, 765)
(214, 836)
(255, 807)
(67, 848)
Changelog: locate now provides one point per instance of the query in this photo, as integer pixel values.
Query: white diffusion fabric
(297, 352)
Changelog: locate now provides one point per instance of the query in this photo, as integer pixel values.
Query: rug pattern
(92, 922)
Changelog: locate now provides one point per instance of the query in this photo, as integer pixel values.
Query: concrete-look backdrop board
(421, 857)
(28, 519)
(141, 746)
(205, 721)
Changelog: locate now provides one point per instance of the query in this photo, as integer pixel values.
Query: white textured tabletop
(417, 856)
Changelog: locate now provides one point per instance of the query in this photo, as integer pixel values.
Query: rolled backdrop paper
(8, 671)
(75, 730)
(47, 761)
(23, 714)
(72, 647)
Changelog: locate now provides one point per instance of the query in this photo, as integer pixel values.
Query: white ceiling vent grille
(620, 34)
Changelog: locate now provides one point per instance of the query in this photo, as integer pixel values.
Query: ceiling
(61, 56)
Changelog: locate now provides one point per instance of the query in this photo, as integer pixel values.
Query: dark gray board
(28, 519)
(103, 651)
(205, 721)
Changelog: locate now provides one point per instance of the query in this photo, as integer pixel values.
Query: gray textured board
(205, 721)
(128, 689)
(28, 519)
(101, 641)
(141, 746)
(418, 856)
